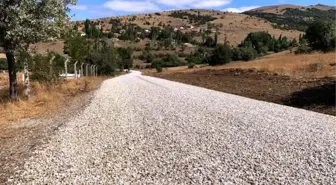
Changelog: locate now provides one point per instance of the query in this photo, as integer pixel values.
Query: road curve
(145, 130)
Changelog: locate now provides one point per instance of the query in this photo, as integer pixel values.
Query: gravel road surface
(145, 130)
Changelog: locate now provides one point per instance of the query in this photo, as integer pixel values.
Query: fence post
(75, 68)
(82, 72)
(87, 70)
(51, 67)
(96, 70)
(26, 79)
(66, 68)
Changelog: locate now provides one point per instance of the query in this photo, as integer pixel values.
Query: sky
(88, 9)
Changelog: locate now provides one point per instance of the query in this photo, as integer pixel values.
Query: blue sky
(106, 8)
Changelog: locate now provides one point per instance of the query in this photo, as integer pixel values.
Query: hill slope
(232, 26)
(288, 17)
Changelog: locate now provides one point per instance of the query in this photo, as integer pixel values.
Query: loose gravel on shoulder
(144, 130)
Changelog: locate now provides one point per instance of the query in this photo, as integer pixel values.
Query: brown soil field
(301, 81)
(313, 94)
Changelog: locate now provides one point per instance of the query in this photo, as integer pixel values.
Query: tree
(76, 47)
(221, 55)
(321, 36)
(26, 22)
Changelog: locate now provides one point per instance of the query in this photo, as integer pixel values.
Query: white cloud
(176, 3)
(78, 7)
(131, 6)
(193, 3)
(211, 3)
(241, 9)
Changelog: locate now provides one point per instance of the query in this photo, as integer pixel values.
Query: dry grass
(307, 66)
(298, 66)
(46, 98)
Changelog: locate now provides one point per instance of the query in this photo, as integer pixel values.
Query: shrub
(303, 48)
(3, 64)
(191, 65)
(168, 61)
(43, 71)
(248, 54)
(158, 67)
(221, 55)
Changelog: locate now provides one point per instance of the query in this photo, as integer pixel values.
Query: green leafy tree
(221, 55)
(76, 47)
(321, 36)
(24, 22)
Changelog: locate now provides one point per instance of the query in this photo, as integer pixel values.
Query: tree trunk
(12, 74)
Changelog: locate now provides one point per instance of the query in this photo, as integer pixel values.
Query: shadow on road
(323, 95)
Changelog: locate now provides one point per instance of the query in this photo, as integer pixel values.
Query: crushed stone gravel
(145, 130)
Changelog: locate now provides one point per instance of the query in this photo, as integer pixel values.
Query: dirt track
(311, 94)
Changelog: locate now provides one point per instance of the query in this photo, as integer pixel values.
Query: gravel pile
(144, 130)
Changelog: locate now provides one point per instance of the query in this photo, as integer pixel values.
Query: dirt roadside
(18, 140)
(315, 94)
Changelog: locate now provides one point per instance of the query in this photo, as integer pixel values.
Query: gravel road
(145, 130)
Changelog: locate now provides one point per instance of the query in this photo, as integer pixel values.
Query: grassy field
(45, 99)
(315, 65)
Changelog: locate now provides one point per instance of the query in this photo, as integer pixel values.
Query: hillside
(233, 27)
(288, 17)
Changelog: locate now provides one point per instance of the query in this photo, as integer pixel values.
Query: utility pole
(66, 68)
(75, 68)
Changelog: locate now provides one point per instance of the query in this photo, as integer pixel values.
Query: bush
(42, 70)
(3, 64)
(158, 67)
(248, 54)
(303, 48)
(191, 65)
(168, 61)
(221, 55)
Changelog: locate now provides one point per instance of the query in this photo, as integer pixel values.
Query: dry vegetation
(279, 9)
(46, 98)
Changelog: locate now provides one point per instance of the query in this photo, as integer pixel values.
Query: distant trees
(263, 42)
(193, 18)
(321, 36)
(170, 60)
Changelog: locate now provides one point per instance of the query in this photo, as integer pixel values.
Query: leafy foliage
(168, 61)
(321, 35)
(221, 55)
(193, 18)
